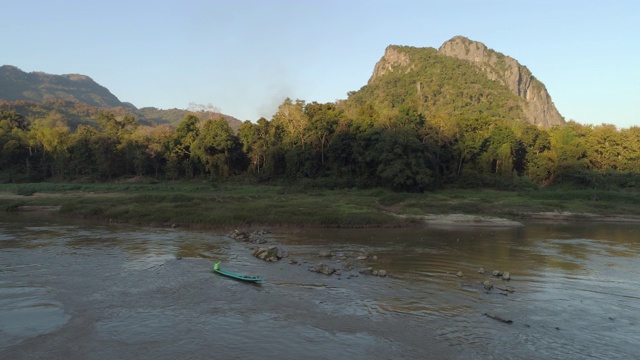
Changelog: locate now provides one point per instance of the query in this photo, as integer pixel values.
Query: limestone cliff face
(538, 108)
(392, 58)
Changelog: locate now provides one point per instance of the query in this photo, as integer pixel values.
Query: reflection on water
(113, 291)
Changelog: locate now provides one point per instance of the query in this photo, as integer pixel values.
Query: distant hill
(76, 113)
(17, 85)
(79, 99)
(463, 78)
(175, 116)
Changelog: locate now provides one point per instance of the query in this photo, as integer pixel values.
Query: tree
(52, 136)
(438, 139)
(11, 120)
(568, 153)
(536, 163)
(400, 161)
(471, 137)
(294, 120)
(180, 160)
(256, 142)
(118, 129)
(154, 145)
(218, 148)
(323, 119)
(14, 154)
(605, 147)
(502, 148)
(341, 155)
(630, 161)
(83, 159)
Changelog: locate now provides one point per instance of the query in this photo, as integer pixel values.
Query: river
(71, 289)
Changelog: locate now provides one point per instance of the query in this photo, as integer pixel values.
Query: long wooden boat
(234, 275)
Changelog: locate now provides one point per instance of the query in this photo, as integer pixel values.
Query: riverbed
(86, 290)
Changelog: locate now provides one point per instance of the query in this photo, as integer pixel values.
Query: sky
(244, 57)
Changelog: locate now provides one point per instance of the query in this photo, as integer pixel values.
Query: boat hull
(237, 276)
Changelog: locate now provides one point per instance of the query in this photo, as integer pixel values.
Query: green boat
(231, 274)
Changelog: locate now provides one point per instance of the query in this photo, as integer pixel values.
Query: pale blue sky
(245, 57)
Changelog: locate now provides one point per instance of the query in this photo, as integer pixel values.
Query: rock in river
(323, 269)
(499, 318)
(487, 285)
(271, 253)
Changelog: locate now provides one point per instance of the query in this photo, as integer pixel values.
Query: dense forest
(334, 145)
(424, 121)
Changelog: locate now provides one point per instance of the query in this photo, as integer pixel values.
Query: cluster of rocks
(349, 262)
(488, 286)
(504, 275)
(266, 253)
(255, 237)
(371, 271)
(322, 268)
(269, 253)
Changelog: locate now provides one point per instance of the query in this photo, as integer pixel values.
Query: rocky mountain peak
(391, 59)
(539, 109)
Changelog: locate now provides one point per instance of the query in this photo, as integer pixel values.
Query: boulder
(239, 235)
(271, 253)
(487, 285)
(506, 276)
(481, 271)
(323, 269)
(256, 239)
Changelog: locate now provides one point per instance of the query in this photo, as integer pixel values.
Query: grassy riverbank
(210, 205)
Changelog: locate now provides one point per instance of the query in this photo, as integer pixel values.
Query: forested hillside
(321, 144)
(17, 85)
(77, 99)
(424, 121)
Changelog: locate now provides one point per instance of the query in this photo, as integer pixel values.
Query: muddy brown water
(81, 290)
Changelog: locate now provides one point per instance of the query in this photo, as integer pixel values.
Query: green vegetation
(226, 205)
(16, 85)
(202, 205)
(432, 123)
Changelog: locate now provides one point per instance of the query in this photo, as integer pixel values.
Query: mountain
(17, 85)
(462, 79)
(78, 99)
(74, 113)
(538, 108)
(173, 117)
